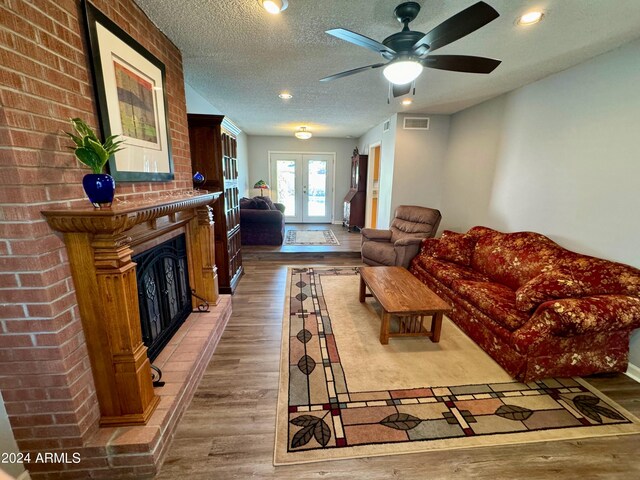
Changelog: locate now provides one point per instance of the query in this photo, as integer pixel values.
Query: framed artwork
(130, 89)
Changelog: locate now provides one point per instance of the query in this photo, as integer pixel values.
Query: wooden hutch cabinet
(213, 154)
(355, 200)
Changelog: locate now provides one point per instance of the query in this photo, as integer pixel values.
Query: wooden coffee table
(401, 294)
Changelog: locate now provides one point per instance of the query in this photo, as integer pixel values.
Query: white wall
(419, 162)
(411, 164)
(559, 157)
(7, 442)
(196, 103)
(258, 155)
(387, 157)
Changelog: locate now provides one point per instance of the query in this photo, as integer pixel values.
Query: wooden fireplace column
(99, 245)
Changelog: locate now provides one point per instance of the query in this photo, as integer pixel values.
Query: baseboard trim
(336, 222)
(633, 372)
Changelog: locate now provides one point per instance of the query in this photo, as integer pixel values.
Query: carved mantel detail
(100, 244)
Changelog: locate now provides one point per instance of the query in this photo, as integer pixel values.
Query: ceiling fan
(409, 51)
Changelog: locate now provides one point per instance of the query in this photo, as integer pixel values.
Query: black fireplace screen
(163, 292)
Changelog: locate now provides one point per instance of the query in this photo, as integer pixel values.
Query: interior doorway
(304, 183)
(373, 185)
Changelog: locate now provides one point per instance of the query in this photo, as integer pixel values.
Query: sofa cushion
(494, 300)
(455, 247)
(550, 285)
(515, 258)
(447, 272)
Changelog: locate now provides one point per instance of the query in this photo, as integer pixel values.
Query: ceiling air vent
(385, 126)
(416, 123)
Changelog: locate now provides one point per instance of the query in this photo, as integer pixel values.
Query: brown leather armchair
(398, 245)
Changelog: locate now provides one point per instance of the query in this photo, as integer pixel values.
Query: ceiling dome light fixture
(303, 134)
(285, 96)
(407, 101)
(402, 71)
(274, 6)
(530, 18)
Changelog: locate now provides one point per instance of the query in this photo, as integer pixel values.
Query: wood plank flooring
(228, 430)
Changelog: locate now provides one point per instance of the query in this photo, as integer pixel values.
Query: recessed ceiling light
(274, 6)
(407, 101)
(530, 18)
(285, 96)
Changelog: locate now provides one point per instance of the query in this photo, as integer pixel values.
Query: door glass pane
(317, 188)
(286, 185)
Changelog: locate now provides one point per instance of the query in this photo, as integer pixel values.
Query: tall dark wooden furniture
(355, 200)
(213, 154)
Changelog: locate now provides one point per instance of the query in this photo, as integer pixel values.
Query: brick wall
(45, 79)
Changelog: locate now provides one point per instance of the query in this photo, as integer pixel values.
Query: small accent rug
(344, 395)
(311, 237)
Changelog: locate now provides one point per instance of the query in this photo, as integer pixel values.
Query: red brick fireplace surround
(45, 367)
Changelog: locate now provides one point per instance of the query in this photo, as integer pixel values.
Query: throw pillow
(261, 204)
(455, 247)
(267, 201)
(247, 203)
(550, 285)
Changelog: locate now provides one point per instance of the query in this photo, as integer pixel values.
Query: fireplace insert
(164, 294)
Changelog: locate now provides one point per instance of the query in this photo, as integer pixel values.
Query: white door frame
(333, 175)
(369, 202)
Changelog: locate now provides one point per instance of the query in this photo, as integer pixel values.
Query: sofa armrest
(406, 241)
(580, 316)
(280, 206)
(375, 234)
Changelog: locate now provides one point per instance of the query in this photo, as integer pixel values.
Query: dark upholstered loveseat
(261, 221)
(538, 309)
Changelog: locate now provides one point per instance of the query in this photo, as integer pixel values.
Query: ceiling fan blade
(360, 40)
(351, 72)
(460, 25)
(461, 63)
(400, 90)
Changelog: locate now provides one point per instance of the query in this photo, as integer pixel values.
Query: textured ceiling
(239, 57)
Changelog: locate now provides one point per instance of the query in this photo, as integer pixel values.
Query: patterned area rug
(311, 237)
(344, 395)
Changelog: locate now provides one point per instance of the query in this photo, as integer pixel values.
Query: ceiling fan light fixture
(274, 6)
(407, 101)
(303, 134)
(530, 18)
(402, 72)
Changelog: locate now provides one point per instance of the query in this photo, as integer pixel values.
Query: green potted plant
(98, 186)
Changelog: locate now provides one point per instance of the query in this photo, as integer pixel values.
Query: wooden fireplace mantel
(99, 244)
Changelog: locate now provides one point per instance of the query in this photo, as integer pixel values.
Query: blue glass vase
(100, 189)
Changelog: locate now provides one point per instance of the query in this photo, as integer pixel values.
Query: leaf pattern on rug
(304, 335)
(588, 406)
(306, 364)
(301, 284)
(312, 427)
(301, 296)
(401, 421)
(513, 412)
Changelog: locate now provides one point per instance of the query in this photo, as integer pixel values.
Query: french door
(303, 182)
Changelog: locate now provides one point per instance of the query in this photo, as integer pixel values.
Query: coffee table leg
(363, 289)
(384, 328)
(436, 327)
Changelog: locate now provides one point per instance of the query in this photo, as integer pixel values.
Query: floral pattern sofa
(538, 309)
